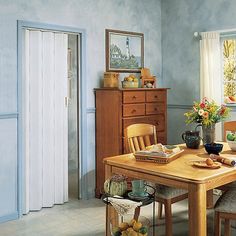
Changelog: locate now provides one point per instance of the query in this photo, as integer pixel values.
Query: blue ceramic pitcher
(192, 139)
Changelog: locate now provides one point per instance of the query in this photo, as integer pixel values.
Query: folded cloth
(123, 206)
(223, 160)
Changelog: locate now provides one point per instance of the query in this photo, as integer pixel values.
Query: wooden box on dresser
(118, 108)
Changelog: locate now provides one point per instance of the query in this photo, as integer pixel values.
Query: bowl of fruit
(130, 82)
(231, 140)
(129, 226)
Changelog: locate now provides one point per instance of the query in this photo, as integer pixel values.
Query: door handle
(66, 101)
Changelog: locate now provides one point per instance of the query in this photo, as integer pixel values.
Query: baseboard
(9, 217)
(90, 194)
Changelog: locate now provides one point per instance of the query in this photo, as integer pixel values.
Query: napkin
(223, 160)
(123, 206)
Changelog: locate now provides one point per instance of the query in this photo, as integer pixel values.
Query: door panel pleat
(35, 120)
(48, 119)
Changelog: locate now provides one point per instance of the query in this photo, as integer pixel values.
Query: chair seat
(227, 202)
(167, 192)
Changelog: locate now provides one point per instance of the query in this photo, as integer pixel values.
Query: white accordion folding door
(45, 116)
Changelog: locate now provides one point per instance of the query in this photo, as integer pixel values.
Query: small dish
(138, 198)
(213, 148)
(202, 164)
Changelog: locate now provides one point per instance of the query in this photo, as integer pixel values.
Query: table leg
(154, 218)
(197, 210)
(111, 218)
(111, 213)
(210, 204)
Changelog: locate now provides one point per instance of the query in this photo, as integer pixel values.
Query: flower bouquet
(207, 113)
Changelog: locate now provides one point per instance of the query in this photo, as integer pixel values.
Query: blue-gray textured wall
(180, 51)
(170, 51)
(92, 15)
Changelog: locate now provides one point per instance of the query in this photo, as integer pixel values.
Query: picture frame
(124, 51)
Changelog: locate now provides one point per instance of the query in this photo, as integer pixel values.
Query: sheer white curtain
(45, 119)
(210, 71)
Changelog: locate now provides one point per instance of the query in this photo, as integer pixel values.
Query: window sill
(230, 104)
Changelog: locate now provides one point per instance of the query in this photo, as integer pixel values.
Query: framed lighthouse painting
(124, 51)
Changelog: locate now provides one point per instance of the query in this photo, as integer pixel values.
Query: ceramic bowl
(213, 148)
(232, 145)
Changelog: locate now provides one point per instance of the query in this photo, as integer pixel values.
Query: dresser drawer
(137, 120)
(154, 108)
(133, 110)
(158, 121)
(133, 96)
(155, 96)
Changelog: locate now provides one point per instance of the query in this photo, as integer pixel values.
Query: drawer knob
(134, 97)
(157, 122)
(133, 111)
(155, 109)
(155, 96)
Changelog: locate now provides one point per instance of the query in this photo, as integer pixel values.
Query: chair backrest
(229, 126)
(139, 136)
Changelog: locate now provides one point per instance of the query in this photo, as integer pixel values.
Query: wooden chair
(229, 126)
(225, 209)
(137, 137)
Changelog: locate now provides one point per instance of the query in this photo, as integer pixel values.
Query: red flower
(202, 105)
(222, 110)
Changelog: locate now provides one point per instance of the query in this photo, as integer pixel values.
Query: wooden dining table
(180, 173)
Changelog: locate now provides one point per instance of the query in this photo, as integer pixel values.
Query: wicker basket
(111, 80)
(130, 84)
(114, 224)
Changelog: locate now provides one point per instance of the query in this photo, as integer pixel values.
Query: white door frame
(21, 25)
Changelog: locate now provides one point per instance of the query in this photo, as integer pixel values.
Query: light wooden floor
(87, 218)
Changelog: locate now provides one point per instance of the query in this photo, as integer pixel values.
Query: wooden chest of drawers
(118, 108)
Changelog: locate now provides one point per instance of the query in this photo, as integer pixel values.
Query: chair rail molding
(189, 107)
(232, 107)
(9, 115)
(91, 110)
(179, 106)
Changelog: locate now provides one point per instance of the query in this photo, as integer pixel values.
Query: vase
(208, 133)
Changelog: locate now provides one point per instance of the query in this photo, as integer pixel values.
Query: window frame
(224, 37)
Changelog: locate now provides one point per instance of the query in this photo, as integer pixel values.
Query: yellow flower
(207, 112)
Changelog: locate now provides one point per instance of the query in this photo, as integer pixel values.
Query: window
(229, 68)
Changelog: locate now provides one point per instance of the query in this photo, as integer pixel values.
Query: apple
(231, 137)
